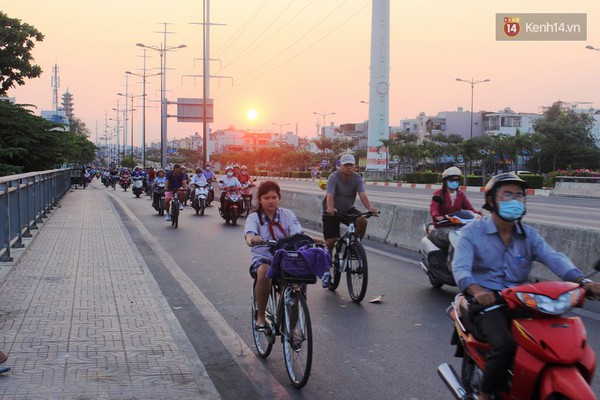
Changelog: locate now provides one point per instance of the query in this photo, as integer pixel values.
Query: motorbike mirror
(254, 180)
(438, 199)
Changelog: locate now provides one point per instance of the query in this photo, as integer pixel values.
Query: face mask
(243, 172)
(511, 210)
(452, 185)
(208, 168)
(230, 174)
(198, 174)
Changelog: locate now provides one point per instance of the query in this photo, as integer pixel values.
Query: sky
(289, 59)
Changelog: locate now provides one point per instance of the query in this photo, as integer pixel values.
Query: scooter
(553, 358)
(231, 205)
(138, 185)
(199, 198)
(211, 193)
(125, 181)
(158, 198)
(434, 257)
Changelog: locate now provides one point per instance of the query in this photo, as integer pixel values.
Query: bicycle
(175, 211)
(287, 315)
(349, 256)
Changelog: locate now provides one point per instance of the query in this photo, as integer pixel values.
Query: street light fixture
(281, 126)
(472, 83)
(143, 76)
(323, 115)
(163, 98)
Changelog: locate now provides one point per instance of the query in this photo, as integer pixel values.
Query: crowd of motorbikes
(237, 200)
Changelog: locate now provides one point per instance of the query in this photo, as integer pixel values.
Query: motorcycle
(106, 179)
(232, 204)
(138, 185)
(434, 257)
(125, 181)
(199, 198)
(211, 193)
(246, 197)
(553, 358)
(158, 198)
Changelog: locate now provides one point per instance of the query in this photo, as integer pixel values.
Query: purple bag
(306, 261)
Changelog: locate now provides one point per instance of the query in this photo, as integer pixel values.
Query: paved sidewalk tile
(81, 317)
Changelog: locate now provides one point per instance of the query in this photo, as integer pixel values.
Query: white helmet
(452, 171)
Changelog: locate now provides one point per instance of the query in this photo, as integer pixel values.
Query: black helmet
(497, 181)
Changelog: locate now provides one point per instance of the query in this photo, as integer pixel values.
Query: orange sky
(290, 58)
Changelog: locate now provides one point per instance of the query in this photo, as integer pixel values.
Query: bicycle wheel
(357, 272)
(334, 270)
(262, 340)
(297, 341)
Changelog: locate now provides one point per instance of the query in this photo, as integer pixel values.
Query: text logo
(541, 27)
(512, 27)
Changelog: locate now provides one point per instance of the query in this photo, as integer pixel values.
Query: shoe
(181, 207)
(325, 280)
(168, 217)
(261, 327)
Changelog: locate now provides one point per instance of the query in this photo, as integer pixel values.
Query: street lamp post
(323, 115)
(472, 82)
(280, 126)
(143, 76)
(131, 96)
(162, 50)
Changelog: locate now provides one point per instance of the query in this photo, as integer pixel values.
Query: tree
(79, 127)
(16, 43)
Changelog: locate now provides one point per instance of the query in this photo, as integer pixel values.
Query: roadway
(386, 350)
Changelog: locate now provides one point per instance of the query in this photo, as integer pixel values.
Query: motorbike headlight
(546, 305)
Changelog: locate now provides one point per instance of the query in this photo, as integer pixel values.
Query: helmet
(452, 171)
(338, 162)
(323, 183)
(500, 180)
(207, 165)
(243, 167)
(229, 167)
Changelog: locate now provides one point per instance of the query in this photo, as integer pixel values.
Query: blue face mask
(511, 210)
(452, 185)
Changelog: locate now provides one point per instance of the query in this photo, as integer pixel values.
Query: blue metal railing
(25, 199)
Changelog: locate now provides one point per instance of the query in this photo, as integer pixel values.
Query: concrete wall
(577, 189)
(403, 227)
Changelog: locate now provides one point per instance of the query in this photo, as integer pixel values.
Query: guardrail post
(6, 256)
(38, 199)
(27, 233)
(19, 242)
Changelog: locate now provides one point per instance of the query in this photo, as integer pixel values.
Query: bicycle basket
(292, 243)
(290, 266)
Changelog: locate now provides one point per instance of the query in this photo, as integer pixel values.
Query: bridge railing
(25, 200)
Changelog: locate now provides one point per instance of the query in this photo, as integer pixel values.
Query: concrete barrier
(571, 186)
(402, 226)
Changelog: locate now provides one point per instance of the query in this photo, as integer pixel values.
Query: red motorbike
(125, 181)
(232, 204)
(553, 358)
(247, 197)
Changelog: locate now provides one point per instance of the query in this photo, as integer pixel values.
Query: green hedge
(474, 180)
(422, 177)
(300, 174)
(533, 181)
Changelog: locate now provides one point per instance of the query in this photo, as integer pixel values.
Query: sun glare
(252, 114)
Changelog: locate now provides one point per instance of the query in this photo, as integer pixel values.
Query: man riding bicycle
(175, 180)
(342, 187)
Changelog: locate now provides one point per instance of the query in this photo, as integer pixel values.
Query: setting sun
(252, 114)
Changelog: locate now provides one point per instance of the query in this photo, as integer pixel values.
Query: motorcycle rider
(208, 173)
(197, 180)
(236, 170)
(454, 200)
(160, 178)
(495, 253)
(244, 176)
(227, 180)
(175, 180)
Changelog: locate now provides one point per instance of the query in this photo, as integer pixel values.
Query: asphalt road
(387, 350)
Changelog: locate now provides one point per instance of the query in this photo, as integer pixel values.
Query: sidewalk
(81, 316)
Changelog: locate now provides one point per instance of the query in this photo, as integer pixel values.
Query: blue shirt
(482, 258)
(176, 181)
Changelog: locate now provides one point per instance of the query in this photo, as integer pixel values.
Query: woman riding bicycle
(267, 222)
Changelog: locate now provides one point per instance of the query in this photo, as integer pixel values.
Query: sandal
(261, 327)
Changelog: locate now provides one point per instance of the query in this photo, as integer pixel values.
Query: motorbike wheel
(234, 216)
(202, 206)
(137, 195)
(246, 210)
(434, 282)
